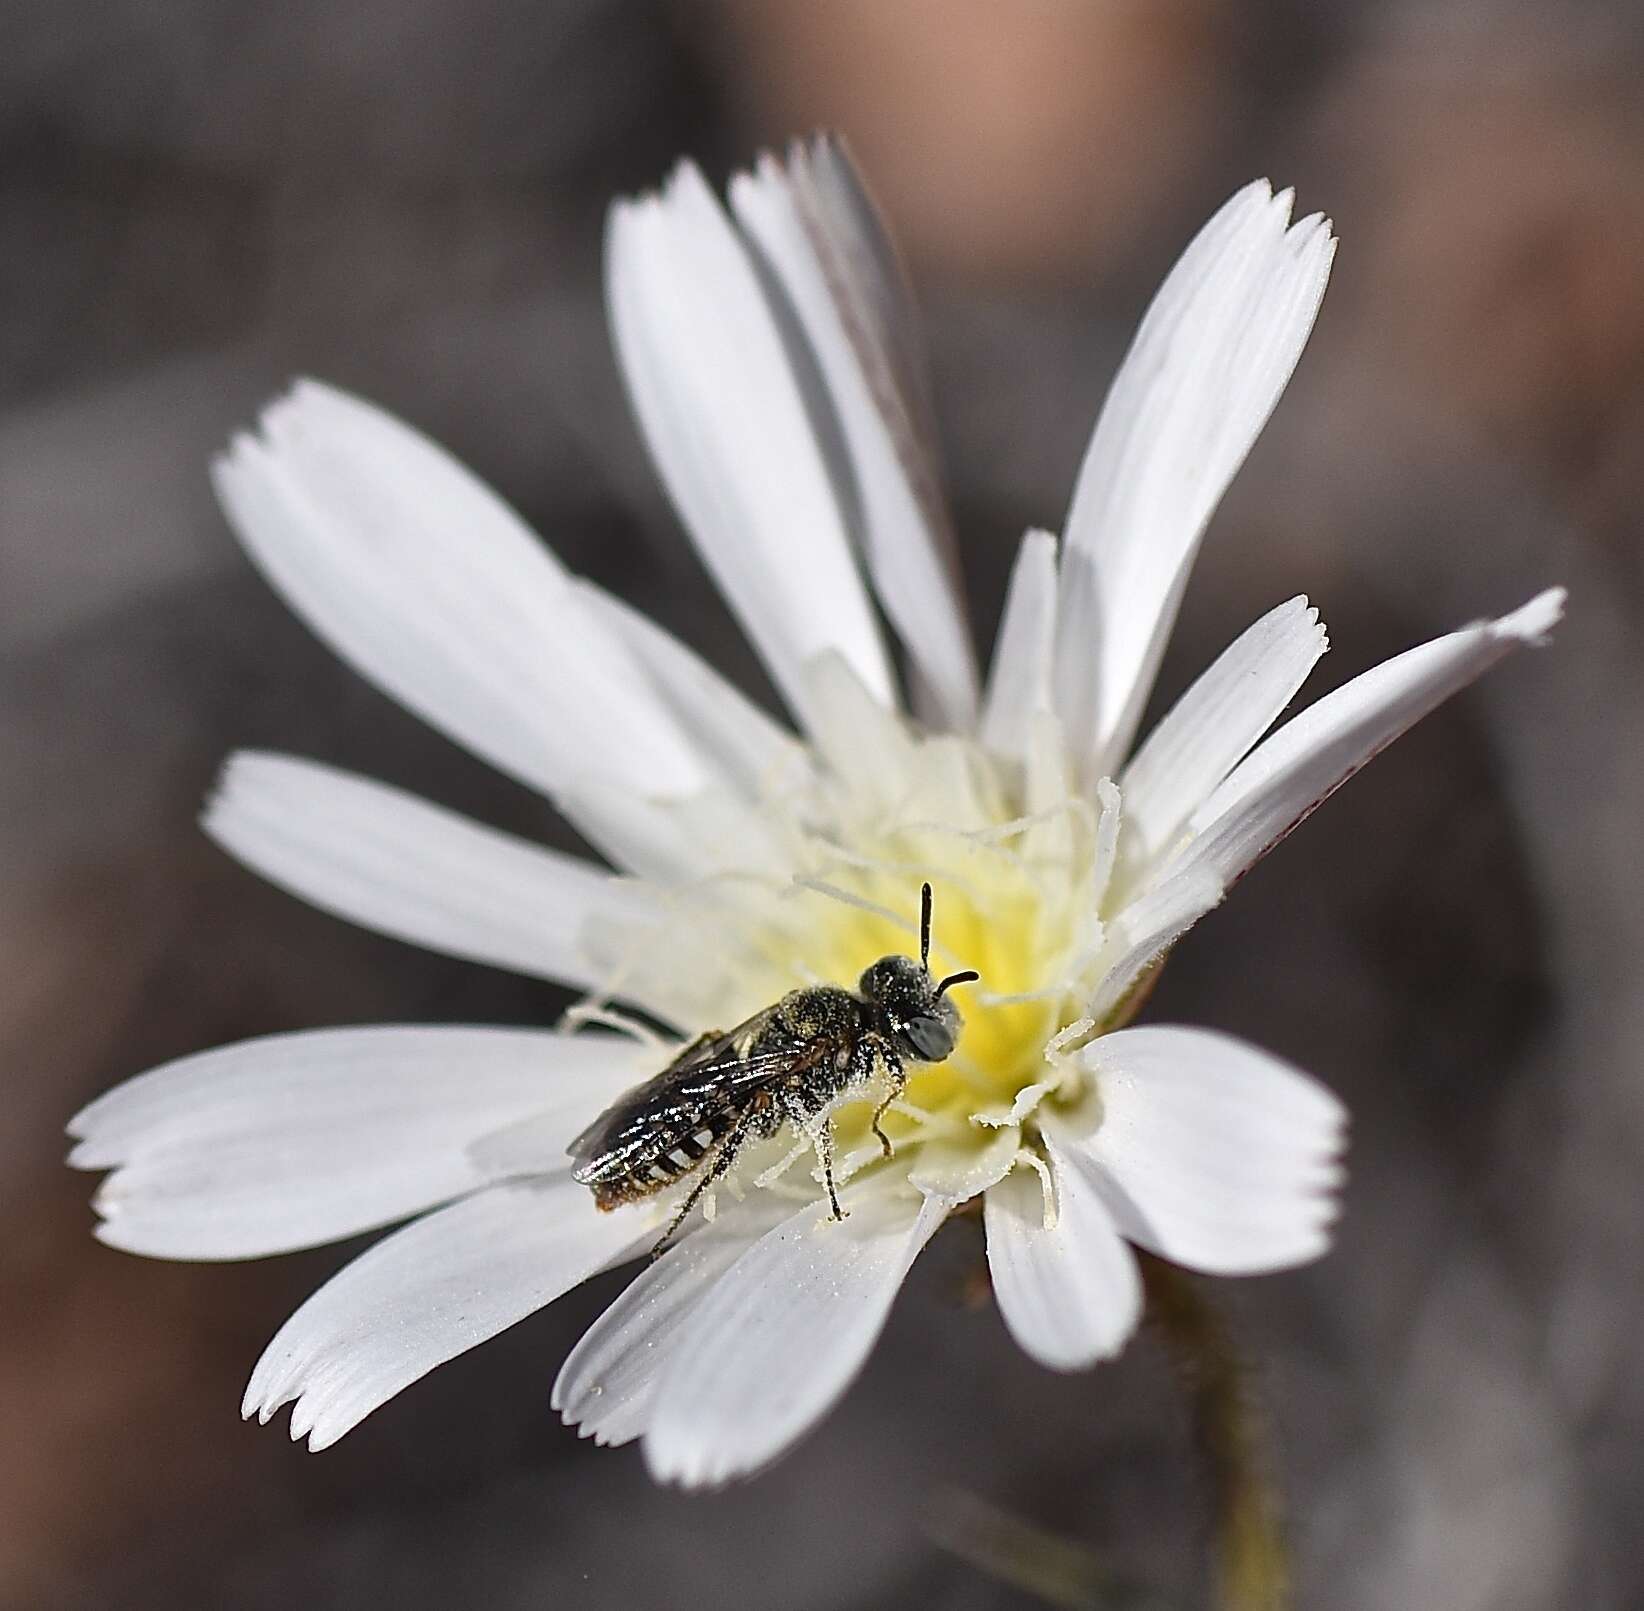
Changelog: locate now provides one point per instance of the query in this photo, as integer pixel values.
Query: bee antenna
(924, 927)
(969, 976)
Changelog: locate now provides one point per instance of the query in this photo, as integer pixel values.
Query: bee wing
(706, 1078)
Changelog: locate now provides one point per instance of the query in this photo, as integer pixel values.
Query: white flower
(769, 361)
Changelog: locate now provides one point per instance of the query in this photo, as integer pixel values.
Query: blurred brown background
(199, 198)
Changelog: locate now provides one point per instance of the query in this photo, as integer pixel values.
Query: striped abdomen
(653, 1162)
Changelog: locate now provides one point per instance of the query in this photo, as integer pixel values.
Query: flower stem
(1252, 1562)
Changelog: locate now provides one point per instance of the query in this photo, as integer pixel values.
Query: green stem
(1057, 1570)
(1252, 1562)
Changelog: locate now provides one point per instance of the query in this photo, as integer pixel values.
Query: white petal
(293, 1140)
(1204, 372)
(1070, 1293)
(952, 784)
(749, 750)
(1212, 726)
(1019, 680)
(861, 741)
(957, 1170)
(671, 841)
(815, 229)
(1048, 793)
(868, 281)
(385, 859)
(1143, 931)
(444, 1284)
(607, 1386)
(780, 1335)
(1313, 754)
(721, 410)
(429, 585)
(1206, 1150)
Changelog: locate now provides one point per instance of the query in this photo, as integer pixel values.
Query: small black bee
(783, 1065)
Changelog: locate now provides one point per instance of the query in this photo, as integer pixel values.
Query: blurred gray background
(198, 200)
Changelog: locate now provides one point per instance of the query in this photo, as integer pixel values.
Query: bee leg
(822, 1140)
(824, 1153)
(897, 1079)
(723, 1158)
(884, 1140)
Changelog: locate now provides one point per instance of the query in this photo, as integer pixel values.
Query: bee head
(914, 1007)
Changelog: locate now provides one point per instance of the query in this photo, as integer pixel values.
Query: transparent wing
(705, 1080)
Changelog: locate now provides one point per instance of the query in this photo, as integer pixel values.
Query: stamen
(969, 1070)
(588, 1011)
(783, 1164)
(822, 887)
(1074, 805)
(973, 841)
(1077, 1030)
(1027, 1099)
(802, 1194)
(1106, 846)
(1066, 971)
(1047, 1184)
(905, 867)
(1020, 998)
(853, 1163)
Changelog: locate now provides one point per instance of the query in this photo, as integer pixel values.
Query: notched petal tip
(305, 402)
(699, 1471)
(255, 1402)
(224, 788)
(1532, 622)
(105, 1201)
(236, 460)
(686, 187)
(823, 142)
(1303, 606)
(1314, 229)
(1312, 232)
(320, 1439)
(79, 1130)
(82, 1155)
(89, 1130)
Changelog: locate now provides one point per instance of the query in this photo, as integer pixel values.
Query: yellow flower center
(1017, 897)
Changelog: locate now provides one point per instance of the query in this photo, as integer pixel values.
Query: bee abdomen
(661, 1167)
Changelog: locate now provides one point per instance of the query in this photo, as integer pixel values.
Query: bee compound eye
(931, 1038)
